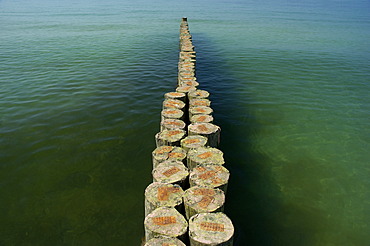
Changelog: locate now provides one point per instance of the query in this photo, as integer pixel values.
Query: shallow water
(81, 86)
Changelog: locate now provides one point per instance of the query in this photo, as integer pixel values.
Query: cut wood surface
(193, 142)
(198, 94)
(172, 124)
(173, 103)
(215, 176)
(199, 199)
(165, 221)
(166, 152)
(164, 241)
(172, 113)
(199, 110)
(169, 137)
(199, 102)
(171, 172)
(185, 89)
(208, 130)
(175, 95)
(210, 229)
(201, 118)
(192, 82)
(204, 155)
(159, 194)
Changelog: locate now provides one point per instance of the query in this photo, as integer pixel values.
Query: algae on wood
(171, 172)
(199, 102)
(165, 221)
(204, 155)
(198, 94)
(185, 89)
(209, 130)
(172, 124)
(211, 229)
(166, 152)
(173, 103)
(215, 176)
(159, 194)
(169, 137)
(172, 113)
(175, 95)
(199, 110)
(201, 118)
(199, 199)
(193, 142)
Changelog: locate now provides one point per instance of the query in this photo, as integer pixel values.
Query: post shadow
(254, 200)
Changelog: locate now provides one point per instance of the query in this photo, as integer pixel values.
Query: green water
(81, 86)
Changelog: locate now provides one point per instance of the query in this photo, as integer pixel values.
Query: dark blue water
(81, 87)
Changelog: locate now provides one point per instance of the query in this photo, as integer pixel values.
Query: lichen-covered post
(176, 95)
(169, 137)
(199, 110)
(208, 130)
(201, 118)
(215, 176)
(204, 155)
(199, 199)
(190, 82)
(171, 172)
(164, 241)
(210, 229)
(199, 102)
(198, 94)
(165, 221)
(172, 124)
(172, 113)
(162, 195)
(193, 142)
(166, 152)
(185, 89)
(173, 103)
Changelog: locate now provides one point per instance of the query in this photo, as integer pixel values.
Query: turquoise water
(81, 86)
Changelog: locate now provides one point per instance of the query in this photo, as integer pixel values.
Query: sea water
(81, 86)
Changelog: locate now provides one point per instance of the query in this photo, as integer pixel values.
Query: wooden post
(201, 118)
(172, 113)
(169, 137)
(172, 124)
(164, 241)
(199, 102)
(203, 200)
(164, 153)
(165, 221)
(215, 176)
(162, 195)
(185, 89)
(209, 229)
(173, 103)
(204, 155)
(198, 94)
(171, 172)
(199, 110)
(175, 95)
(193, 142)
(192, 83)
(209, 130)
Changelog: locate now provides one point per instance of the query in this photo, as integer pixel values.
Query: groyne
(184, 205)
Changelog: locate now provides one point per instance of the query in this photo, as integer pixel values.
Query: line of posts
(184, 205)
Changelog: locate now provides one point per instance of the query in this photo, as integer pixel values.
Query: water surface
(81, 86)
